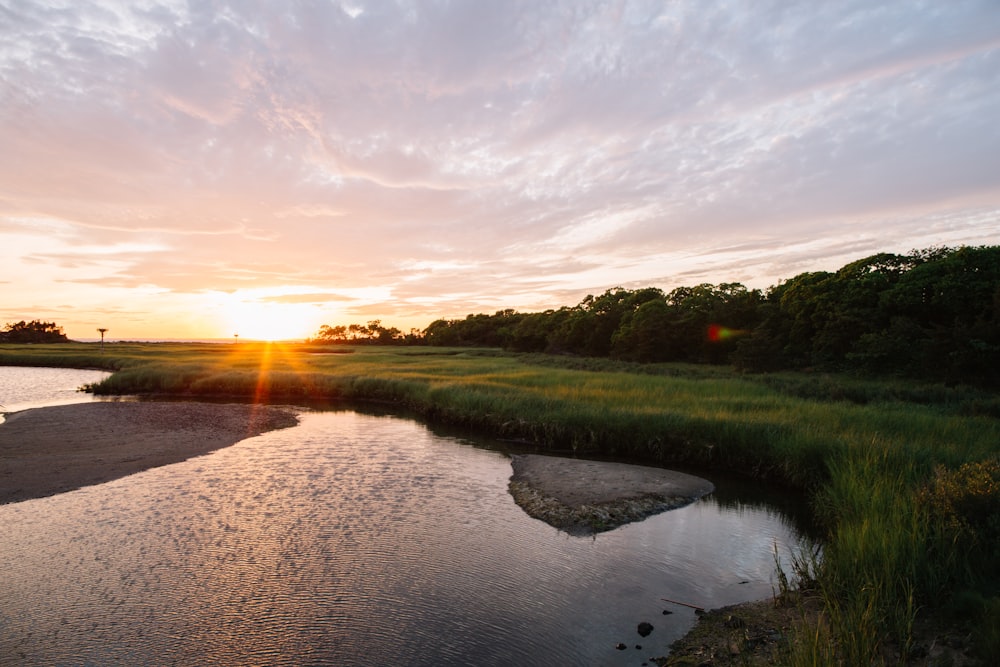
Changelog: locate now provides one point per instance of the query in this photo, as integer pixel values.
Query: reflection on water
(355, 540)
(22, 387)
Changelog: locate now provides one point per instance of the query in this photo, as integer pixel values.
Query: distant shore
(45, 451)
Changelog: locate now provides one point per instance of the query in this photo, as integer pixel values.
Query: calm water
(357, 539)
(22, 388)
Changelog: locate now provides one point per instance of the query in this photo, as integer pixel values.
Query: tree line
(931, 314)
(370, 333)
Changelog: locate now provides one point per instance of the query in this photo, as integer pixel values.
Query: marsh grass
(878, 459)
(874, 556)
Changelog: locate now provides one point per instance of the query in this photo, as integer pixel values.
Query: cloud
(460, 155)
(320, 298)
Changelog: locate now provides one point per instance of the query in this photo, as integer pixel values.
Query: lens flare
(718, 333)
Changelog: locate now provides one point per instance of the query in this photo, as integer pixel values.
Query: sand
(586, 497)
(45, 451)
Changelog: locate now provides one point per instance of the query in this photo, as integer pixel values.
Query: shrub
(966, 506)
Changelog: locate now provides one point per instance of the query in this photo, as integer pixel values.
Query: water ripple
(352, 540)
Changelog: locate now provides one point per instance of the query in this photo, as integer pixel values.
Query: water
(357, 539)
(22, 388)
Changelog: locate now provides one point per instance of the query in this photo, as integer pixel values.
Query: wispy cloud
(458, 156)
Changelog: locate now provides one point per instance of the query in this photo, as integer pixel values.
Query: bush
(966, 506)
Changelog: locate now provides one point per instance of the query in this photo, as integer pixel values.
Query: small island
(588, 497)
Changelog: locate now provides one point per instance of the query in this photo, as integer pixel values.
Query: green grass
(866, 451)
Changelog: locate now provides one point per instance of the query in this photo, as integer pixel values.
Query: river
(359, 539)
(24, 387)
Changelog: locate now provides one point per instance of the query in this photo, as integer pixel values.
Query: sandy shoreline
(586, 497)
(45, 451)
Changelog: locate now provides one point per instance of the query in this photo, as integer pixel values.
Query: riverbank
(45, 451)
(763, 632)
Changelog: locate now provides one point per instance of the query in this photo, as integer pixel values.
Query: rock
(645, 628)
(621, 646)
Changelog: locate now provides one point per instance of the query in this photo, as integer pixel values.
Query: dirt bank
(45, 451)
(586, 497)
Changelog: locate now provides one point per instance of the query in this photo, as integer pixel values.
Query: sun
(252, 319)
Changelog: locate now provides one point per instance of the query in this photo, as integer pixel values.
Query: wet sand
(45, 451)
(587, 497)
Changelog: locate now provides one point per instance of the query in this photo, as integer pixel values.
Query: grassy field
(904, 478)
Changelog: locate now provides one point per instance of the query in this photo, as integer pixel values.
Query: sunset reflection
(350, 540)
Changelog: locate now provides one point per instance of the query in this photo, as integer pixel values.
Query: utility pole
(102, 330)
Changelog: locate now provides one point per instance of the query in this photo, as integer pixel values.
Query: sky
(202, 169)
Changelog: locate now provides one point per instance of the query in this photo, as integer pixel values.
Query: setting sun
(255, 319)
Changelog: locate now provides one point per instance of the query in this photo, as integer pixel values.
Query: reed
(867, 452)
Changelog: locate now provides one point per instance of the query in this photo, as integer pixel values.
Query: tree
(373, 333)
(643, 334)
(328, 334)
(442, 332)
(388, 336)
(589, 328)
(531, 333)
(945, 317)
(34, 331)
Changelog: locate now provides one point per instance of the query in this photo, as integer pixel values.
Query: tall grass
(868, 453)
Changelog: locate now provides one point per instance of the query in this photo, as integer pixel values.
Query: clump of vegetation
(34, 331)
(964, 505)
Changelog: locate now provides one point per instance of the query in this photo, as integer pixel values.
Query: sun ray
(263, 389)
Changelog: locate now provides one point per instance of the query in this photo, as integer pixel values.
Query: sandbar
(45, 451)
(584, 497)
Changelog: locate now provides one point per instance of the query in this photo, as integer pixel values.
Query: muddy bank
(587, 497)
(45, 451)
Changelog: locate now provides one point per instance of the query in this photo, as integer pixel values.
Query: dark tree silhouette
(34, 331)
